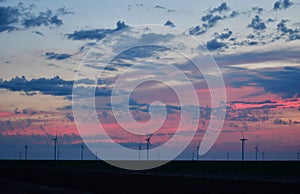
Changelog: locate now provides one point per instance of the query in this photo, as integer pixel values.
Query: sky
(46, 45)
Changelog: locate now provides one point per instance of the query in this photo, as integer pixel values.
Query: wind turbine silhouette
(140, 148)
(256, 152)
(298, 155)
(227, 154)
(197, 148)
(148, 144)
(263, 155)
(25, 148)
(243, 140)
(82, 148)
(55, 146)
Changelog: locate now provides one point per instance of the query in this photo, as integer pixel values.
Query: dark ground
(174, 177)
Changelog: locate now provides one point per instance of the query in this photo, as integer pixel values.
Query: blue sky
(255, 43)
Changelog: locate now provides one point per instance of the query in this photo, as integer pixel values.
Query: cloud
(225, 35)
(214, 44)
(257, 23)
(220, 8)
(212, 17)
(38, 33)
(282, 4)
(96, 34)
(257, 9)
(169, 23)
(293, 34)
(159, 7)
(46, 18)
(21, 17)
(53, 86)
(52, 55)
(8, 17)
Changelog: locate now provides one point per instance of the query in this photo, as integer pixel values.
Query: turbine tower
(197, 148)
(263, 155)
(256, 152)
(82, 148)
(227, 153)
(148, 144)
(140, 148)
(25, 148)
(55, 146)
(298, 155)
(20, 155)
(243, 140)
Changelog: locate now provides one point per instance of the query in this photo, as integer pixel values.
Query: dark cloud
(214, 44)
(53, 86)
(224, 35)
(96, 34)
(8, 17)
(169, 23)
(282, 4)
(212, 17)
(159, 7)
(220, 8)
(257, 23)
(38, 33)
(293, 34)
(21, 17)
(46, 18)
(52, 55)
(257, 9)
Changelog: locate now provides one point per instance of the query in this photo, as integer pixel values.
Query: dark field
(174, 177)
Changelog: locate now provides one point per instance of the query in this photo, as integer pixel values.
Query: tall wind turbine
(197, 148)
(227, 154)
(148, 144)
(256, 152)
(263, 155)
(25, 148)
(82, 148)
(243, 140)
(140, 148)
(55, 146)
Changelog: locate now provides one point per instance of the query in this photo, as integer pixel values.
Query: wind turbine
(25, 148)
(193, 156)
(82, 148)
(243, 140)
(227, 154)
(197, 148)
(55, 146)
(256, 152)
(20, 155)
(140, 148)
(298, 155)
(148, 144)
(263, 155)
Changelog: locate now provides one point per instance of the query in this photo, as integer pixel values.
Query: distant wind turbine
(82, 148)
(227, 154)
(193, 156)
(243, 140)
(263, 155)
(20, 155)
(148, 144)
(298, 155)
(256, 152)
(55, 147)
(25, 148)
(140, 148)
(197, 148)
